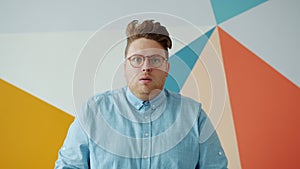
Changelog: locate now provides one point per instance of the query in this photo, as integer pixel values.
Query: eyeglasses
(154, 60)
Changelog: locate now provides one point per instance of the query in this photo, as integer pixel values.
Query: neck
(147, 96)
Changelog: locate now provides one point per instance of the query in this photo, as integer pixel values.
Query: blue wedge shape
(183, 61)
(226, 9)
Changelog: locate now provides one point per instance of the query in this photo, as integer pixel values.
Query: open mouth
(145, 79)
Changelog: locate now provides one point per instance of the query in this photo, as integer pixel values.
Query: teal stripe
(226, 9)
(183, 62)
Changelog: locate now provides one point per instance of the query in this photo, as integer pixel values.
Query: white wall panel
(77, 15)
(42, 64)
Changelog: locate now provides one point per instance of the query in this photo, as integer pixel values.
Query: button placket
(146, 142)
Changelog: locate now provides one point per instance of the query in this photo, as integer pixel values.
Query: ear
(168, 69)
(124, 67)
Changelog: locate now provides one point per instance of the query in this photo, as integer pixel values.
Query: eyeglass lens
(154, 60)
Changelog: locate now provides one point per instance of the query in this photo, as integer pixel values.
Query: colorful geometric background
(256, 42)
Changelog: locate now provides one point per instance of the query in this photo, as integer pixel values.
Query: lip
(145, 79)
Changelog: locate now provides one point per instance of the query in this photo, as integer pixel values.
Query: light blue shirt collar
(138, 103)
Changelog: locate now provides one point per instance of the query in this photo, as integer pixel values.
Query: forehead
(145, 47)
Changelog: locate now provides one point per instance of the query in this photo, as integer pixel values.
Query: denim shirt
(116, 130)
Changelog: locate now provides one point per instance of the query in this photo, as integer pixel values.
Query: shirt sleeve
(74, 153)
(212, 155)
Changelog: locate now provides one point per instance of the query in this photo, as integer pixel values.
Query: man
(142, 125)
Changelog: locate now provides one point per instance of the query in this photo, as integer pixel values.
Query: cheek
(164, 71)
(130, 74)
(160, 75)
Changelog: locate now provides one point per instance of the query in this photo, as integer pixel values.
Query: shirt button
(146, 134)
(220, 153)
(146, 117)
(153, 107)
(145, 156)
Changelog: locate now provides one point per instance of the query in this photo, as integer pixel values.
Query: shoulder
(174, 96)
(106, 95)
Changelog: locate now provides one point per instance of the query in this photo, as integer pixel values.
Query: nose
(146, 67)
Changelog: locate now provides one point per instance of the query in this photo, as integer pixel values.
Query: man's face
(145, 80)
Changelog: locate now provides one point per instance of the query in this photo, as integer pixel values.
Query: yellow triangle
(32, 131)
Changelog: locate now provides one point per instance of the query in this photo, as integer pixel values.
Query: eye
(136, 59)
(156, 60)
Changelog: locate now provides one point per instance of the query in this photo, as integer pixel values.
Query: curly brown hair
(149, 30)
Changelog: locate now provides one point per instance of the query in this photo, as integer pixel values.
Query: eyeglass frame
(144, 58)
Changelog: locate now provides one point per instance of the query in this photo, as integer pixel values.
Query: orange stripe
(265, 107)
(32, 131)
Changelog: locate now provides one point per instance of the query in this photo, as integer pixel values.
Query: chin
(146, 90)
